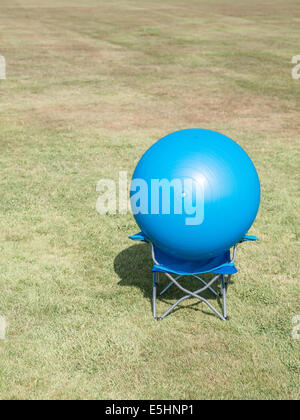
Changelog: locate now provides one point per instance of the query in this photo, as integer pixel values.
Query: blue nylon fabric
(249, 238)
(177, 266)
(139, 237)
(219, 265)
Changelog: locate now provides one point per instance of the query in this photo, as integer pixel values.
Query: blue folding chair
(175, 268)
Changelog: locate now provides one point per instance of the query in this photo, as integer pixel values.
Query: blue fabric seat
(218, 265)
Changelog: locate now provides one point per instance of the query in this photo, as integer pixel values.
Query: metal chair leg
(224, 298)
(154, 293)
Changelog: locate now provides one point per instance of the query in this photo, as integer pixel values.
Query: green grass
(90, 86)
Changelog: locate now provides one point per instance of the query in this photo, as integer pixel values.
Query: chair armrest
(249, 238)
(139, 237)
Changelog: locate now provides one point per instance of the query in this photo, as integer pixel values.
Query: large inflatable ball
(195, 193)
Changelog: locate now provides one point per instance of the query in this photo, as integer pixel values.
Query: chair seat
(169, 264)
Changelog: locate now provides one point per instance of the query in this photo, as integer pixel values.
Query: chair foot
(227, 318)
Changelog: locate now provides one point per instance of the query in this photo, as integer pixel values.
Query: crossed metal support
(190, 294)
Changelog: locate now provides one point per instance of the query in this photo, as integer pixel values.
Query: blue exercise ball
(195, 193)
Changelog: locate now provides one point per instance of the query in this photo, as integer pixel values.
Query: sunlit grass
(88, 90)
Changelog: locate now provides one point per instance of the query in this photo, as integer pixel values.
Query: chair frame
(174, 277)
(189, 293)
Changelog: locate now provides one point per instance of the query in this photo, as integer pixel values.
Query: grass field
(90, 86)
